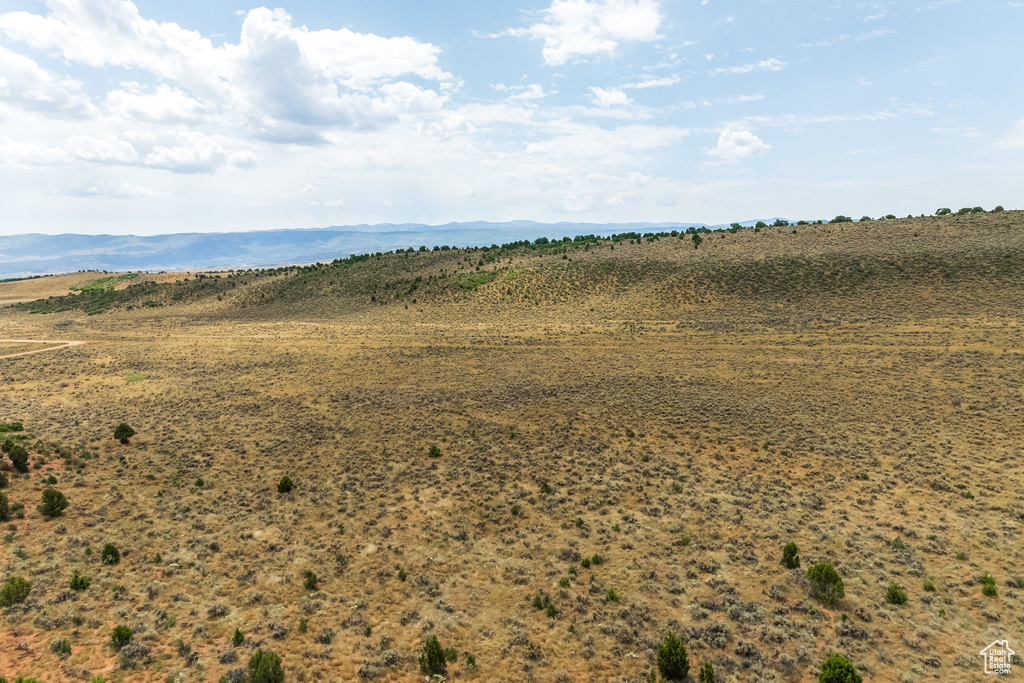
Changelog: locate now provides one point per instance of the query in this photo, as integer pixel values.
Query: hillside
(627, 433)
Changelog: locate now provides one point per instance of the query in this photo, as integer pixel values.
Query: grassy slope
(734, 395)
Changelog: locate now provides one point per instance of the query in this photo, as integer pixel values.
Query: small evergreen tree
(123, 432)
(309, 580)
(895, 594)
(285, 485)
(707, 673)
(110, 554)
(5, 509)
(672, 660)
(790, 557)
(434, 451)
(265, 667)
(3, 480)
(14, 591)
(838, 669)
(80, 583)
(19, 458)
(54, 503)
(432, 659)
(121, 636)
(826, 584)
(238, 638)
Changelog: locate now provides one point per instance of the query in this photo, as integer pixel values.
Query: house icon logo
(997, 657)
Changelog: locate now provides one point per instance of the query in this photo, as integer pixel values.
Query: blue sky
(206, 116)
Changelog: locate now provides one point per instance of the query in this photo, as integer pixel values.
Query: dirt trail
(63, 345)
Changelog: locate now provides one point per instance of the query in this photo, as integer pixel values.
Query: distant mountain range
(34, 254)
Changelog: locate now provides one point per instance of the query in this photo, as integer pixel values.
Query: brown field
(683, 413)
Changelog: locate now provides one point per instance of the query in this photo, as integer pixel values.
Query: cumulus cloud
(18, 154)
(771, 64)
(572, 29)
(195, 152)
(734, 145)
(164, 105)
(27, 85)
(109, 150)
(609, 97)
(277, 74)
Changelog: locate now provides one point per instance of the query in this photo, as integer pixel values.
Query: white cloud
(26, 85)
(19, 154)
(770, 64)
(532, 91)
(193, 153)
(278, 75)
(651, 83)
(609, 97)
(1015, 139)
(572, 29)
(734, 145)
(113, 189)
(109, 150)
(165, 105)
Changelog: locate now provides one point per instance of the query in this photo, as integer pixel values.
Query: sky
(186, 116)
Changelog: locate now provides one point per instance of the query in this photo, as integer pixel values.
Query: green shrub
(123, 432)
(838, 669)
(3, 481)
(432, 660)
(612, 595)
(943, 212)
(54, 503)
(433, 451)
(309, 580)
(285, 485)
(826, 584)
(110, 554)
(61, 647)
(19, 458)
(5, 510)
(121, 636)
(672, 660)
(238, 638)
(707, 673)
(470, 659)
(14, 591)
(50, 480)
(997, 209)
(929, 586)
(80, 583)
(988, 585)
(895, 594)
(790, 558)
(596, 560)
(265, 667)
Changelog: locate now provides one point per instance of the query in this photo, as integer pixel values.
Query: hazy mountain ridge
(36, 254)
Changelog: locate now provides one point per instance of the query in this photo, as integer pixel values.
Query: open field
(680, 412)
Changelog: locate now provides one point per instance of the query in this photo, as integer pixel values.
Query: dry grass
(690, 412)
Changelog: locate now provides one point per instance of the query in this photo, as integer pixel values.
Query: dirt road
(63, 345)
